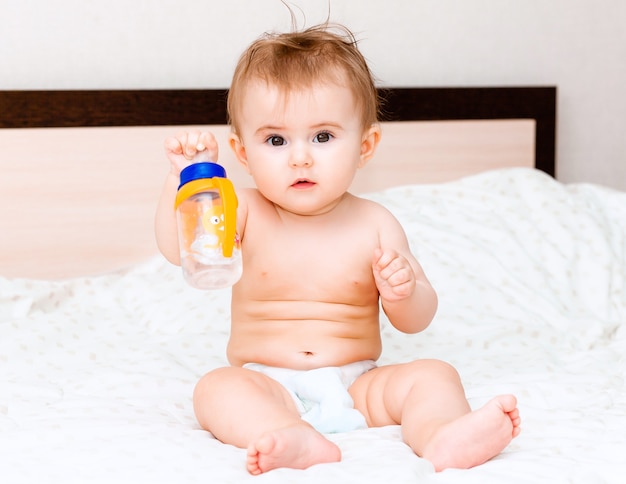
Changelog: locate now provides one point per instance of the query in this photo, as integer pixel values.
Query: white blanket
(96, 374)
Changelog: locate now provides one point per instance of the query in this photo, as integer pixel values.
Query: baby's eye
(276, 140)
(322, 137)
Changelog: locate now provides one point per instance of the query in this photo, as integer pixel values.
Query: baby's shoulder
(247, 192)
(370, 207)
(249, 197)
(376, 215)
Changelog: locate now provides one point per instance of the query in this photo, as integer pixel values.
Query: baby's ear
(239, 149)
(369, 143)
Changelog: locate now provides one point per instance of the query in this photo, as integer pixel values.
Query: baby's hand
(180, 150)
(393, 274)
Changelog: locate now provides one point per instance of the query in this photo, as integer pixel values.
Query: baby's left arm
(408, 299)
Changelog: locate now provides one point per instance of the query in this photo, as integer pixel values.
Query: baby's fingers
(207, 147)
(198, 146)
(175, 154)
(395, 272)
(190, 146)
(190, 141)
(173, 145)
(382, 258)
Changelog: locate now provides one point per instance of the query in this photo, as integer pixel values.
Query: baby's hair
(326, 53)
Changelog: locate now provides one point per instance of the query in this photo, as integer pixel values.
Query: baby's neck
(320, 214)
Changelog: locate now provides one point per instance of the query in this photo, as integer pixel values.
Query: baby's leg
(251, 411)
(427, 398)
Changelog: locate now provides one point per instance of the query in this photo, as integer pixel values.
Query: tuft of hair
(291, 61)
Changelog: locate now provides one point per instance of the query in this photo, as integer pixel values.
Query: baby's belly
(305, 343)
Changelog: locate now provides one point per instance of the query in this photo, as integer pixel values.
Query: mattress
(97, 373)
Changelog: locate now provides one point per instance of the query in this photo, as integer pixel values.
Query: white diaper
(321, 395)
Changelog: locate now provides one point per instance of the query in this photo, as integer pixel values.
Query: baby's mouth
(302, 183)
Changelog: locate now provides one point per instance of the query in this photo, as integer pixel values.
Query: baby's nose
(300, 156)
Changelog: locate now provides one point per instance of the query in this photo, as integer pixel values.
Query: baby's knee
(219, 377)
(212, 383)
(231, 380)
(441, 369)
(211, 389)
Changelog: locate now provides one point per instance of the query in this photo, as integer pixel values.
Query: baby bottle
(206, 210)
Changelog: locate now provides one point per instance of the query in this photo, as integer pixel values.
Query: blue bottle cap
(196, 171)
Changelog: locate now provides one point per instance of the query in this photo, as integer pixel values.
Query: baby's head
(299, 60)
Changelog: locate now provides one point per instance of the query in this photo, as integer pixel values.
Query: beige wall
(578, 45)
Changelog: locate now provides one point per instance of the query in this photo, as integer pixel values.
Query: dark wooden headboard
(32, 109)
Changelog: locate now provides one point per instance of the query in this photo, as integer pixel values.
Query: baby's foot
(475, 437)
(297, 447)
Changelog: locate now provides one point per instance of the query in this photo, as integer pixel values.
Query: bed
(102, 342)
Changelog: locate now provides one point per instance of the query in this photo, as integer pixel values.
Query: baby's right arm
(180, 150)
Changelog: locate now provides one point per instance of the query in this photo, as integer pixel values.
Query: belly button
(308, 353)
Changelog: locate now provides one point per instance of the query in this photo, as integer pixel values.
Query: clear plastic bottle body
(201, 226)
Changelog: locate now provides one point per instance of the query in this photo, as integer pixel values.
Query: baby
(317, 260)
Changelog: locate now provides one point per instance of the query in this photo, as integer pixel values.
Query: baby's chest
(333, 259)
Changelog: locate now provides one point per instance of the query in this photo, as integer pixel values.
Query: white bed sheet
(96, 374)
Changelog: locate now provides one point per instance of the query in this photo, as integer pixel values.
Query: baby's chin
(306, 206)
